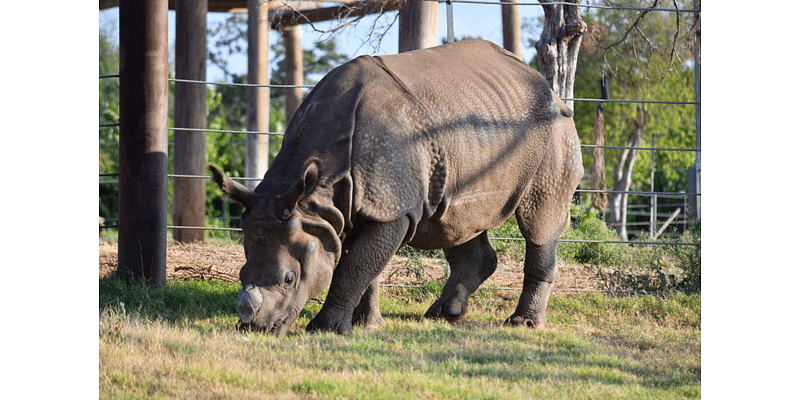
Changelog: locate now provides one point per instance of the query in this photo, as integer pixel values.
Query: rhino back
(451, 137)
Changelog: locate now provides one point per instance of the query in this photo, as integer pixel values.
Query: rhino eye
(289, 277)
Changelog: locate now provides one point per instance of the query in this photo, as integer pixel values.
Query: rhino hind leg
(471, 263)
(354, 276)
(367, 312)
(541, 275)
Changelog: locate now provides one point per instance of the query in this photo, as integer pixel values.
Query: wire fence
(110, 178)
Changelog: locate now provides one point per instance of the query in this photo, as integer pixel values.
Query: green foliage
(635, 267)
(108, 95)
(229, 37)
(658, 268)
(417, 261)
(590, 227)
(651, 61)
(620, 266)
(509, 248)
(687, 260)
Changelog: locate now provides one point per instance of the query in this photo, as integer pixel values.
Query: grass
(179, 342)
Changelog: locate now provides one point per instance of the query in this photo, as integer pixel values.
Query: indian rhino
(430, 148)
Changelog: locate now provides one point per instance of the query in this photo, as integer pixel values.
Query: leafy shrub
(658, 268)
(687, 259)
(589, 227)
(510, 248)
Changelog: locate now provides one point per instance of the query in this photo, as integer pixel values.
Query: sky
(477, 20)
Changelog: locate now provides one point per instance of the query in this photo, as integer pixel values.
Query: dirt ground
(222, 262)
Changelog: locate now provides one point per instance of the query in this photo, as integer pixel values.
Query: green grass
(179, 342)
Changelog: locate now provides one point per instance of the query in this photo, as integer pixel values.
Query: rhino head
(291, 243)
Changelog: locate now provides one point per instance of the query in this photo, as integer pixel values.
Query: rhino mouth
(262, 311)
(277, 327)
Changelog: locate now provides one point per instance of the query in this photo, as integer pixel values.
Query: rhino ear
(233, 189)
(303, 187)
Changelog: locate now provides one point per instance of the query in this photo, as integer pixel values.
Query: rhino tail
(565, 110)
(559, 107)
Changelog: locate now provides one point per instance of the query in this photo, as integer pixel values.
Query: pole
(512, 30)
(144, 94)
(257, 97)
(417, 25)
(293, 65)
(653, 199)
(693, 211)
(189, 204)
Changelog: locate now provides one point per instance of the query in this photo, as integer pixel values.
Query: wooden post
(189, 204)
(293, 65)
(512, 30)
(144, 94)
(257, 97)
(417, 25)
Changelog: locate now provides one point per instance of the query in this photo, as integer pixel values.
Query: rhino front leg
(367, 312)
(358, 268)
(541, 275)
(471, 263)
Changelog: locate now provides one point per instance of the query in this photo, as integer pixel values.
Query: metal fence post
(144, 99)
(694, 173)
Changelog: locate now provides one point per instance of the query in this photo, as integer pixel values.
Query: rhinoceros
(430, 148)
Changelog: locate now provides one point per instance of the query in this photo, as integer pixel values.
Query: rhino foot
(452, 311)
(368, 312)
(516, 320)
(370, 319)
(325, 325)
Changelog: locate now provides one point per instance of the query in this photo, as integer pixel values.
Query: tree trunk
(623, 172)
(558, 47)
(599, 200)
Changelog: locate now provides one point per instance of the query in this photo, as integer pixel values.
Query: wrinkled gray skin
(430, 148)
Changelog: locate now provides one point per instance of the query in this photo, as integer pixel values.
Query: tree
(647, 56)
(558, 47)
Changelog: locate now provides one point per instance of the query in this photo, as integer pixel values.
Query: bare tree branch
(630, 28)
(347, 14)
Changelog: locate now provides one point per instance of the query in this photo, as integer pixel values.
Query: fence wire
(564, 3)
(492, 3)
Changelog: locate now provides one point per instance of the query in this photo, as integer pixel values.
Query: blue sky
(469, 20)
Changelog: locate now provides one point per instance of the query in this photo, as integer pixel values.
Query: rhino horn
(233, 189)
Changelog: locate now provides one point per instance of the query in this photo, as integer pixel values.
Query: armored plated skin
(430, 148)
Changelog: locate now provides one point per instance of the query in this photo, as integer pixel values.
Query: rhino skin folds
(431, 148)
